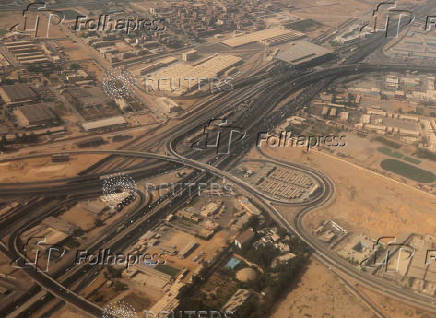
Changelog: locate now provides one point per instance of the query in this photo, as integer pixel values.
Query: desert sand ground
(331, 12)
(12, 18)
(365, 202)
(393, 308)
(40, 169)
(320, 294)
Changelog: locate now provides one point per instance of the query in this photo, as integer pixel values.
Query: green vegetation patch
(425, 154)
(412, 160)
(395, 154)
(389, 152)
(387, 142)
(167, 269)
(408, 171)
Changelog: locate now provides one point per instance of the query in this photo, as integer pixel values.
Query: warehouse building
(28, 52)
(86, 96)
(189, 56)
(238, 302)
(271, 36)
(17, 94)
(35, 115)
(180, 78)
(244, 238)
(116, 121)
(303, 52)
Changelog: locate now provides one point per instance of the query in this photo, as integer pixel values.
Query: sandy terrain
(11, 18)
(73, 51)
(363, 151)
(320, 294)
(69, 313)
(338, 10)
(366, 202)
(39, 169)
(394, 308)
(180, 239)
(83, 219)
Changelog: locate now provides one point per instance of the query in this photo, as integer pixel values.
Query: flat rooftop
(260, 36)
(16, 93)
(107, 122)
(37, 113)
(300, 51)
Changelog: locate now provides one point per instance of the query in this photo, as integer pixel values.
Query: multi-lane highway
(266, 92)
(322, 251)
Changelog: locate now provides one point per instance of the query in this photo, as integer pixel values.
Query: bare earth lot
(366, 202)
(320, 294)
(40, 169)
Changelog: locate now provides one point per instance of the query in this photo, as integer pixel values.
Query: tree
(75, 66)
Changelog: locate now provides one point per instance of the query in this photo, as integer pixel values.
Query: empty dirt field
(12, 18)
(41, 169)
(321, 294)
(331, 12)
(365, 201)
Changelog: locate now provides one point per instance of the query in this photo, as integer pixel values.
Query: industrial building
(416, 44)
(155, 66)
(181, 77)
(86, 96)
(104, 123)
(249, 206)
(189, 56)
(271, 36)
(237, 301)
(35, 115)
(188, 249)
(244, 238)
(17, 94)
(28, 52)
(4, 63)
(303, 52)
